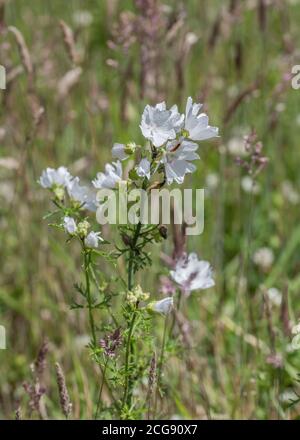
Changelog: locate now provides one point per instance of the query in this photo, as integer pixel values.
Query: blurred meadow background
(79, 74)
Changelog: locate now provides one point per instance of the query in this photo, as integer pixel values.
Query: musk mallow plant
(119, 311)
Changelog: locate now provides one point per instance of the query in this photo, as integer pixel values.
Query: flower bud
(164, 306)
(82, 228)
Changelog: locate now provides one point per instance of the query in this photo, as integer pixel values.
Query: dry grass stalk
(23, 50)
(65, 402)
(69, 41)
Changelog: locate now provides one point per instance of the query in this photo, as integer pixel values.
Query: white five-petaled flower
(51, 177)
(159, 124)
(196, 124)
(192, 274)
(82, 194)
(109, 179)
(176, 159)
(70, 225)
(163, 306)
(143, 168)
(92, 239)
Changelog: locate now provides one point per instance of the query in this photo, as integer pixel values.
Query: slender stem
(87, 260)
(127, 358)
(100, 391)
(160, 363)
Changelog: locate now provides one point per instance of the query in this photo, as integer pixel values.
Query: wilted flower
(264, 258)
(192, 274)
(143, 168)
(51, 177)
(83, 195)
(70, 225)
(109, 179)
(164, 306)
(159, 124)
(176, 157)
(111, 342)
(196, 125)
(92, 239)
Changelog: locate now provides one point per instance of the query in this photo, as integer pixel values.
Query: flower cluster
(172, 137)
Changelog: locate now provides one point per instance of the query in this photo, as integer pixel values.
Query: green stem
(87, 260)
(101, 388)
(160, 364)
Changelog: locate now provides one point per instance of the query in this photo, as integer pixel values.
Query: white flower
(176, 157)
(163, 306)
(296, 329)
(92, 240)
(118, 151)
(84, 195)
(236, 146)
(108, 179)
(70, 225)
(159, 124)
(249, 185)
(196, 124)
(290, 193)
(51, 177)
(212, 181)
(296, 342)
(143, 168)
(192, 274)
(264, 258)
(275, 296)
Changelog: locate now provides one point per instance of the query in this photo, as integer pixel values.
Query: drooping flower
(92, 239)
(176, 159)
(109, 179)
(123, 151)
(164, 306)
(84, 195)
(51, 177)
(143, 168)
(159, 124)
(192, 274)
(70, 225)
(196, 125)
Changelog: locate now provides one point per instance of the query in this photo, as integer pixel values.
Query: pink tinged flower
(84, 195)
(177, 159)
(196, 124)
(159, 125)
(70, 225)
(118, 151)
(109, 179)
(143, 168)
(192, 274)
(51, 177)
(92, 239)
(164, 306)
